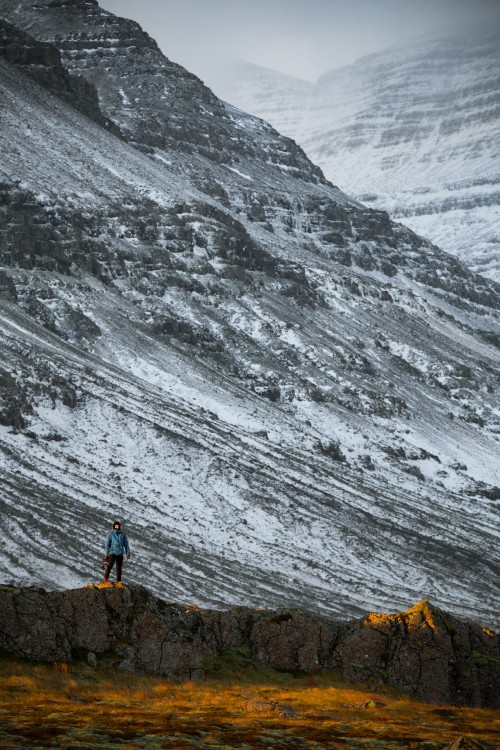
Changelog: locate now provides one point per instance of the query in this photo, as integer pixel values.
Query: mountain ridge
(160, 105)
(412, 131)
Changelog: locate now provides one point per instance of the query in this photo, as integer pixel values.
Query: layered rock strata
(411, 130)
(157, 104)
(42, 62)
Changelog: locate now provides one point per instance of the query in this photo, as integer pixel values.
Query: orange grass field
(240, 705)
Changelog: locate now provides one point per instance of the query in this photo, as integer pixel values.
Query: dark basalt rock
(42, 61)
(14, 402)
(7, 287)
(424, 652)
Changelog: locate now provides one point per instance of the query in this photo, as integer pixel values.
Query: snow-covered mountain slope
(158, 104)
(286, 397)
(413, 131)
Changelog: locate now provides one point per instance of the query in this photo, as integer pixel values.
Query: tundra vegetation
(241, 705)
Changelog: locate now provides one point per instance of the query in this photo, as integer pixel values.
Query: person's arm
(125, 544)
(107, 545)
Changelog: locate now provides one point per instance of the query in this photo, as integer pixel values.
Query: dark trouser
(111, 561)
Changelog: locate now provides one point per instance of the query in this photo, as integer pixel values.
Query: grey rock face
(14, 402)
(42, 62)
(424, 652)
(156, 103)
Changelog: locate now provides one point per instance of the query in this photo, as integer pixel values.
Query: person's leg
(119, 563)
(111, 562)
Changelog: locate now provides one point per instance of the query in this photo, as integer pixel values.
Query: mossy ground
(238, 707)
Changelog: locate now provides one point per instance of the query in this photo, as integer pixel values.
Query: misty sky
(303, 38)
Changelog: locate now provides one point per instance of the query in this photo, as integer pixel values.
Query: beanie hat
(117, 523)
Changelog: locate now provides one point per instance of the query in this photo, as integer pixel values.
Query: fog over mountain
(413, 130)
(286, 396)
(298, 37)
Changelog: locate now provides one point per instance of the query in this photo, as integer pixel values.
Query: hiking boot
(105, 580)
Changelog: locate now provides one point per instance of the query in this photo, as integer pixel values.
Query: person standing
(116, 546)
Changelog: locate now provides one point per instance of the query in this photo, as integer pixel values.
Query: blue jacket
(116, 543)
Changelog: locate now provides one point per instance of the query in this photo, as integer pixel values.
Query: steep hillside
(288, 398)
(159, 105)
(413, 131)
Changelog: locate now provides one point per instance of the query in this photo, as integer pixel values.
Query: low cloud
(304, 38)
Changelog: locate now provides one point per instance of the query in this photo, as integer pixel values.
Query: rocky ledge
(427, 653)
(42, 62)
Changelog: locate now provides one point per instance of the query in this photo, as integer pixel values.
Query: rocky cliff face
(413, 131)
(157, 104)
(424, 652)
(288, 398)
(43, 63)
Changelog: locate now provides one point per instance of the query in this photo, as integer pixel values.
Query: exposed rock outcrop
(424, 652)
(42, 61)
(469, 743)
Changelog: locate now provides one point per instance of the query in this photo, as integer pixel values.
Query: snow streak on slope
(229, 509)
(414, 131)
